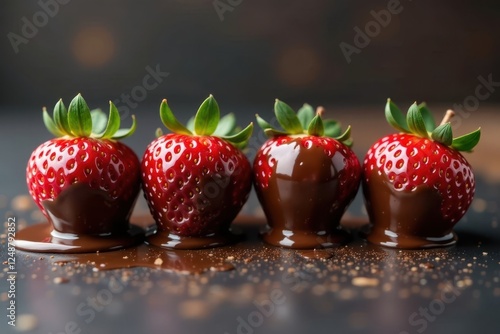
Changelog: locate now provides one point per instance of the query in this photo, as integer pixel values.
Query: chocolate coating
(304, 198)
(403, 219)
(80, 209)
(82, 219)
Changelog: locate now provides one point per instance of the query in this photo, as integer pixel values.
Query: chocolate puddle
(42, 238)
(165, 239)
(405, 220)
(315, 254)
(195, 261)
(198, 261)
(182, 261)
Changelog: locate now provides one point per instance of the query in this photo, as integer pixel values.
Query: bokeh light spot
(298, 65)
(93, 46)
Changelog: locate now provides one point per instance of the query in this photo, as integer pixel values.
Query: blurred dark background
(245, 52)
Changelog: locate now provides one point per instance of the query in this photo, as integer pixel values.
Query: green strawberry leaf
(348, 142)
(430, 124)
(263, 123)
(79, 119)
(316, 127)
(306, 121)
(113, 123)
(443, 134)
(122, 133)
(287, 118)
(241, 137)
(226, 126)
(190, 124)
(169, 120)
(274, 133)
(332, 128)
(395, 117)
(99, 121)
(416, 122)
(61, 117)
(158, 133)
(467, 142)
(305, 115)
(345, 137)
(419, 121)
(50, 125)
(207, 117)
(268, 128)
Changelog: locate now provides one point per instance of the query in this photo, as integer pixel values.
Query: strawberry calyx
(420, 122)
(305, 122)
(79, 121)
(207, 122)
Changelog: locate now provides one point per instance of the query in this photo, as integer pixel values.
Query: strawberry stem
(320, 110)
(448, 116)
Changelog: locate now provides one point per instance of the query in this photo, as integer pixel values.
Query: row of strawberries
(197, 178)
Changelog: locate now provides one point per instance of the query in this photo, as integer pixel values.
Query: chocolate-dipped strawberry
(305, 178)
(85, 182)
(416, 183)
(196, 179)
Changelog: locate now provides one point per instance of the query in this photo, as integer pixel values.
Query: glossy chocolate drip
(405, 219)
(301, 201)
(81, 220)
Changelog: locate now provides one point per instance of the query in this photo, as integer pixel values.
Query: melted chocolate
(182, 261)
(44, 239)
(402, 219)
(301, 201)
(168, 240)
(187, 262)
(315, 254)
(80, 209)
(81, 220)
(193, 261)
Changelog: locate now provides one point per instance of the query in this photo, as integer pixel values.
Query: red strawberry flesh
(409, 162)
(101, 165)
(195, 185)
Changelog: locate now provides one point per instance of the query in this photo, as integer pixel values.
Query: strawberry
(417, 185)
(305, 177)
(83, 170)
(196, 179)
